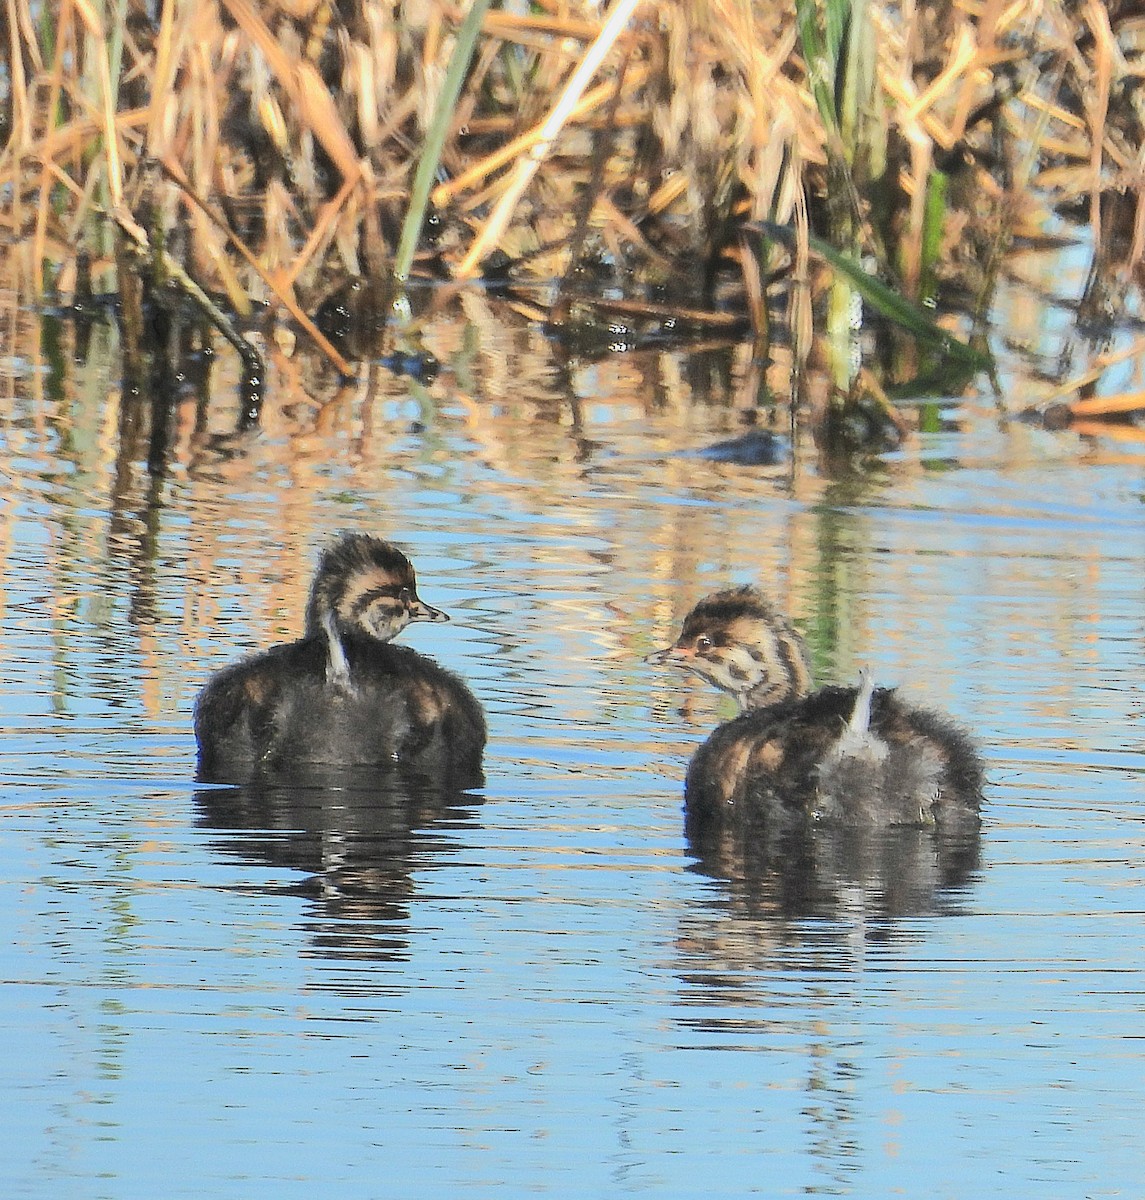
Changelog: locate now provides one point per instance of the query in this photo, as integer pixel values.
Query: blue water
(540, 991)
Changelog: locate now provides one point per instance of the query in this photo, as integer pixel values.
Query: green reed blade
(435, 139)
(933, 224)
(885, 300)
(819, 63)
(896, 307)
(836, 14)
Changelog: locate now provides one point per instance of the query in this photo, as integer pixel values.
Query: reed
(889, 151)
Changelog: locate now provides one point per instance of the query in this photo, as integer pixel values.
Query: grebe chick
(846, 755)
(342, 694)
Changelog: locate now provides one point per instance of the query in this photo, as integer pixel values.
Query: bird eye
(703, 643)
(404, 598)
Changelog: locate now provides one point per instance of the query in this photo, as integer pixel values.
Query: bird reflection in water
(359, 837)
(804, 871)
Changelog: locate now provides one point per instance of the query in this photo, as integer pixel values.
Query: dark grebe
(841, 754)
(343, 695)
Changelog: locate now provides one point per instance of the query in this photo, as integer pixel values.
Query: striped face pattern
(365, 586)
(735, 640)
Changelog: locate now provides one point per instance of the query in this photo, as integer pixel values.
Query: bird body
(343, 694)
(845, 755)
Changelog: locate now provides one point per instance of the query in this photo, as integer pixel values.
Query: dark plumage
(845, 755)
(343, 695)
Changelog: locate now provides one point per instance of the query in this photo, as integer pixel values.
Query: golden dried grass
(298, 126)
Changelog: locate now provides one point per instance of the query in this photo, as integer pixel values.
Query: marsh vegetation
(840, 182)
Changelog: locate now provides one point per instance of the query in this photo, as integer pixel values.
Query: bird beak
(669, 656)
(420, 611)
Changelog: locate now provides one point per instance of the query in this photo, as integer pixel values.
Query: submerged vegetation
(729, 167)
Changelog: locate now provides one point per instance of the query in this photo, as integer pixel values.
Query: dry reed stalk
(108, 101)
(1126, 434)
(605, 212)
(20, 135)
(55, 90)
(921, 164)
(705, 318)
(618, 17)
(1106, 406)
(283, 295)
(1137, 247)
(71, 138)
(964, 76)
(301, 81)
(800, 308)
(511, 26)
(591, 102)
(756, 295)
(1097, 104)
(1100, 364)
(163, 74)
(321, 233)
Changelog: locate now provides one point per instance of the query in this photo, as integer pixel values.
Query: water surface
(540, 989)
